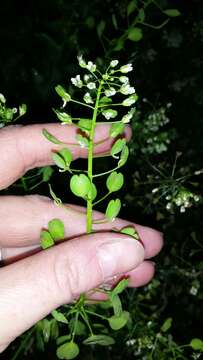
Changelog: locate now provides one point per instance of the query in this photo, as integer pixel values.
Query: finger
(24, 147)
(137, 277)
(31, 288)
(21, 228)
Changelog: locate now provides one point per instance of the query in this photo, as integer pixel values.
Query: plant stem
(90, 156)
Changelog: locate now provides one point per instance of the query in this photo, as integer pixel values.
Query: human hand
(43, 280)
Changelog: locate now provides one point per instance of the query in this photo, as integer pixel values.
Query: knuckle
(67, 277)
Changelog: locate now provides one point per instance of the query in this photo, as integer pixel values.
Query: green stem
(90, 157)
(104, 197)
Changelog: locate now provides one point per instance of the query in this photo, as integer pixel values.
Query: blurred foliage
(39, 43)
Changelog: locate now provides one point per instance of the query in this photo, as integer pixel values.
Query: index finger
(24, 147)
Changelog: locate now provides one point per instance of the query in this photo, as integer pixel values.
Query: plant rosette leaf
(166, 325)
(80, 185)
(68, 351)
(172, 12)
(114, 181)
(135, 34)
(117, 322)
(46, 239)
(197, 344)
(58, 316)
(113, 209)
(56, 229)
(103, 340)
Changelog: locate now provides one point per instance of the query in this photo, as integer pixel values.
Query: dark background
(39, 42)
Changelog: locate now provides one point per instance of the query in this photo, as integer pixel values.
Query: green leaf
(102, 340)
(131, 7)
(46, 240)
(166, 325)
(66, 154)
(122, 285)
(51, 137)
(68, 351)
(116, 303)
(59, 316)
(85, 124)
(196, 344)
(105, 100)
(172, 12)
(117, 322)
(80, 328)
(100, 28)
(22, 109)
(113, 209)
(115, 181)
(63, 116)
(141, 15)
(130, 230)
(62, 93)
(60, 340)
(80, 185)
(83, 141)
(46, 329)
(116, 129)
(135, 34)
(47, 171)
(59, 161)
(56, 229)
(124, 156)
(117, 147)
(92, 194)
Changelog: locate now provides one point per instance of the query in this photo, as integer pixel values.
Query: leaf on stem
(102, 340)
(80, 185)
(114, 181)
(56, 229)
(68, 351)
(58, 316)
(116, 129)
(51, 137)
(113, 208)
(46, 239)
(117, 147)
(117, 322)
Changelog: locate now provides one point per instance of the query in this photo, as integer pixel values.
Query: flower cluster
(183, 199)
(9, 115)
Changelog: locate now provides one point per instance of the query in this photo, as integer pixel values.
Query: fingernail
(118, 256)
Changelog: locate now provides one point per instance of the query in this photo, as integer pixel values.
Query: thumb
(31, 288)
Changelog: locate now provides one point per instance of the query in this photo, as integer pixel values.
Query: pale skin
(34, 282)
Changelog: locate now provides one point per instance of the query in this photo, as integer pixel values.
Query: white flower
(155, 190)
(110, 92)
(124, 79)
(109, 113)
(87, 77)
(126, 68)
(81, 61)
(88, 99)
(91, 85)
(182, 209)
(2, 99)
(130, 100)
(114, 63)
(77, 81)
(126, 118)
(126, 89)
(91, 67)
